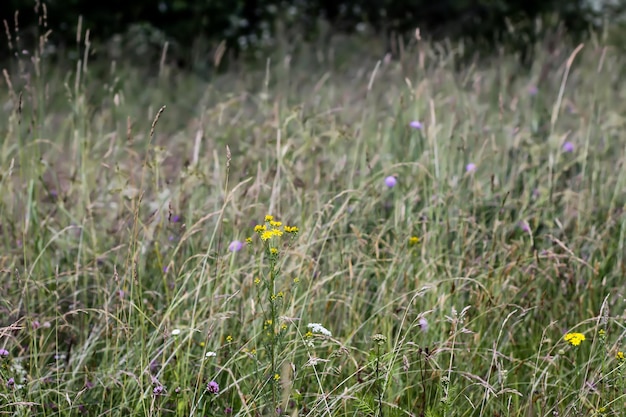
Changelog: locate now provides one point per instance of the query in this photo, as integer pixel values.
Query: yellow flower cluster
(414, 240)
(620, 356)
(574, 339)
(272, 229)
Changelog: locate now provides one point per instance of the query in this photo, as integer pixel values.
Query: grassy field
(447, 239)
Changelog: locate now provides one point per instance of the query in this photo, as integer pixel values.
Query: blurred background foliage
(199, 26)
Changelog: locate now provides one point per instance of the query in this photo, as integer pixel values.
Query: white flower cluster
(318, 328)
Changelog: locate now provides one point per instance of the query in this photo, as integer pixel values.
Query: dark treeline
(246, 23)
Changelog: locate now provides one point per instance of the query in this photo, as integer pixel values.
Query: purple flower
(4, 353)
(533, 90)
(416, 125)
(165, 268)
(228, 410)
(213, 387)
(471, 167)
(423, 324)
(175, 218)
(36, 325)
(391, 181)
(524, 226)
(568, 147)
(235, 246)
(158, 390)
(11, 382)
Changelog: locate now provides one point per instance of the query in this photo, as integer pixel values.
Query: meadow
(327, 233)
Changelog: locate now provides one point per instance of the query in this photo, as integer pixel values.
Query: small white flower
(210, 354)
(318, 328)
(175, 332)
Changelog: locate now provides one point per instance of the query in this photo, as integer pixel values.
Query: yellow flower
(275, 224)
(268, 234)
(276, 377)
(574, 339)
(248, 240)
(291, 229)
(274, 251)
(260, 228)
(229, 339)
(620, 356)
(257, 280)
(414, 240)
(296, 280)
(308, 334)
(269, 218)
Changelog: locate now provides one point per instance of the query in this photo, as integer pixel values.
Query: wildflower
(36, 325)
(296, 280)
(471, 167)
(414, 240)
(391, 181)
(533, 90)
(318, 328)
(291, 229)
(379, 338)
(4, 353)
(269, 218)
(268, 234)
(257, 280)
(213, 387)
(210, 354)
(524, 226)
(248, 240)
(568, 147)
(620, 356)
(260, 228)
(308, 334)
(275, 224)
(229, 339)
(574, 339)
(274, 251)
(175, 218)
(11, 382)
(175, 332)
(423, 324)
(276, 377)
(416, 125)
(235, 246)
(158, 390)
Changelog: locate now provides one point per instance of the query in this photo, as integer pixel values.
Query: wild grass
(446, 294)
